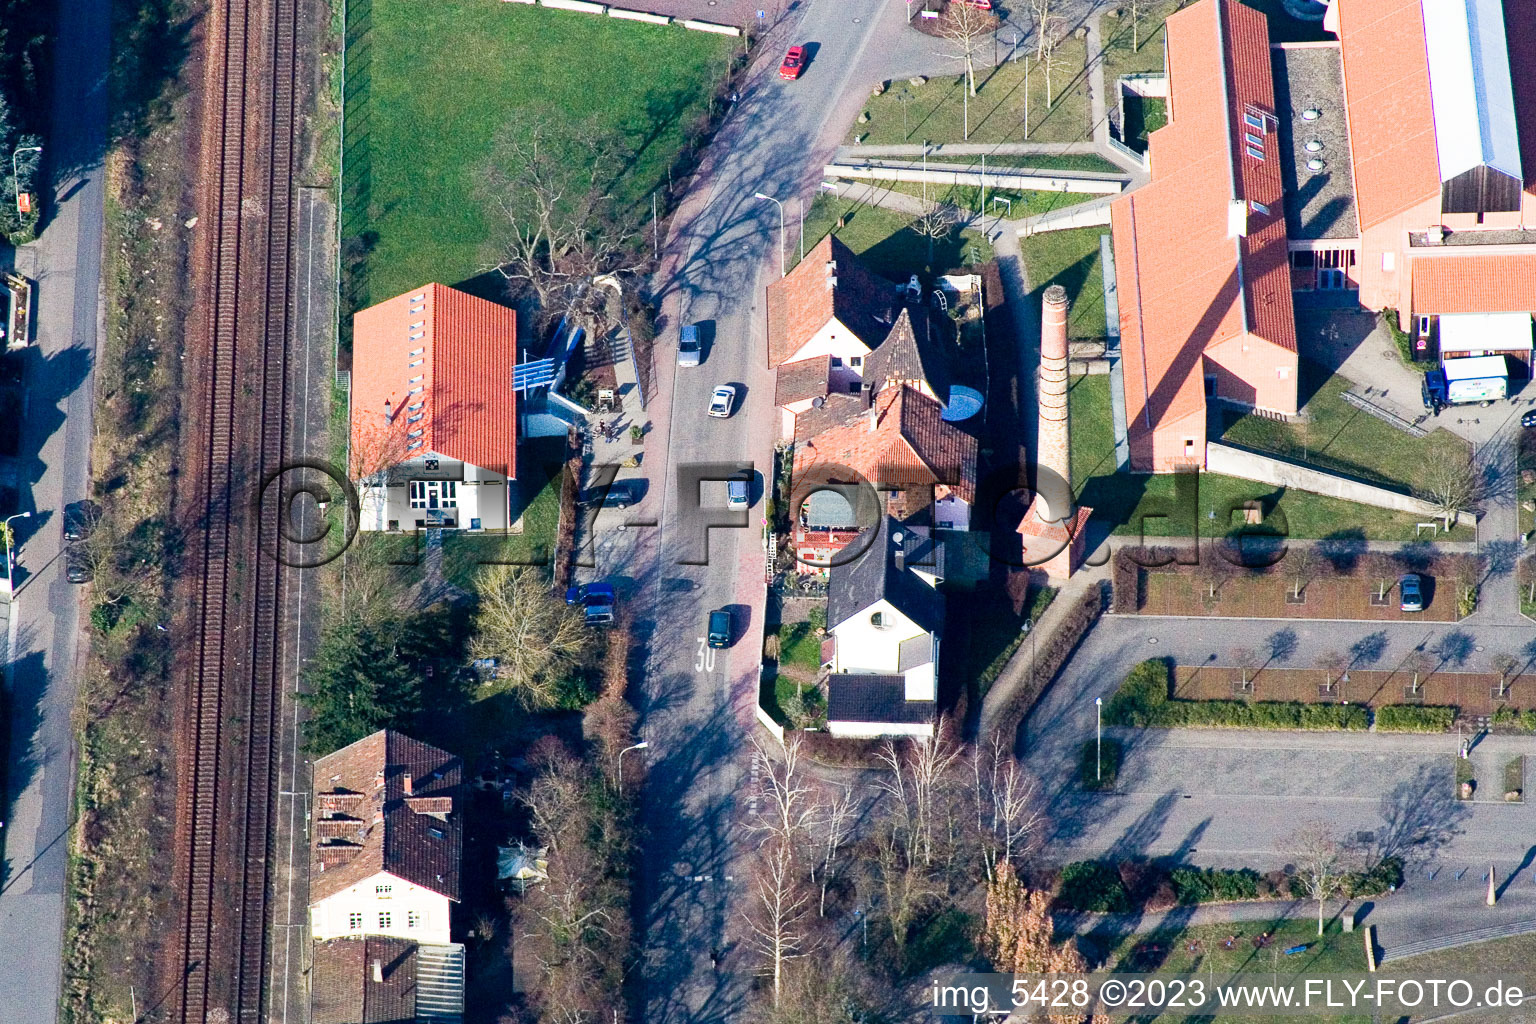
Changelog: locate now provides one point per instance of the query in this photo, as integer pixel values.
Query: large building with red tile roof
(1201, 251)
(434, 416)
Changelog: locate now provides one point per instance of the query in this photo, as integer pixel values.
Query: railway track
(233, 686)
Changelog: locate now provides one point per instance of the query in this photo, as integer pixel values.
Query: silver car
(688, 351)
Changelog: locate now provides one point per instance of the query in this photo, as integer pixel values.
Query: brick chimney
(899, 542)
(1053, 467)
(406, 781)
(378, 972)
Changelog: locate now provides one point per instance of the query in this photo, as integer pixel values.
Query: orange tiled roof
(802, 303)
(1180, 276)
(1386, 93)
(909, 442)
(447, 352)
(1474, 284)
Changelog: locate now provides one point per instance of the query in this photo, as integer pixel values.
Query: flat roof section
(1319, 203)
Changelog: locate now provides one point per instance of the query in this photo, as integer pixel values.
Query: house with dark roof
(387, 840)
(1201, 251)
(898, 441)
(378, 980)
(434, 416)
(885, 617)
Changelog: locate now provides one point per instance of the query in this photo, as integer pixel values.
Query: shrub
(1093, 886)
(1515, 718)
(1416, 718)
(1139, 700)
(1386, 875)
(1098, 769)
(1214, 885)
(1403, 342)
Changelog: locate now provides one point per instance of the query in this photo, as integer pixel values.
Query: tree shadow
(1419, 817)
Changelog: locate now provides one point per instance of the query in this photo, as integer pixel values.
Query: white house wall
(862, 647)
(875, 730)
(832, 340)
(363, 904)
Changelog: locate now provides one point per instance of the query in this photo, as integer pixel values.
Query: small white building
(386, 841)
(434, 416)
(885, 617)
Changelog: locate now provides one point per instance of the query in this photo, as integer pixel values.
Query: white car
(721, 400)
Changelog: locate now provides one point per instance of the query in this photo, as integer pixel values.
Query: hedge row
(1514, 718)
(1415, 718)
(1096, 886)
(1143, 701)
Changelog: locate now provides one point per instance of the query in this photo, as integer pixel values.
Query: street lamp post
(16, 173)
(10, 585)
(775, 202)
(1098, 750)
(643, 744)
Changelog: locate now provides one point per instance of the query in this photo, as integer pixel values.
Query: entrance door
(1331, 279)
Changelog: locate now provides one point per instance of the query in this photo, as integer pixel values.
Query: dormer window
(878, 620)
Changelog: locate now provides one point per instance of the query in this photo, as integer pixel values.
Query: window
(383, 890)
(853, 387)
(413, 419)
(384, 920)
(413, 920)
(1258, 208)
(434, 493)
(415, 363)
(413, 445)
(856, 362)
(416, 433)
(1283, 372)
(416, 352)
(354, 922)
(1253, 140)
(418, 325)
(415, 405)
(1304, 260)
(416, 379)
(419, 296)
(1389, 261)
(1257, 154)
(1423, 326)
(418, 335)
(415, 391)
(1254, 121)
(836, 361)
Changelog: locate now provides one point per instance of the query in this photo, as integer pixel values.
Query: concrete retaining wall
(654, 19)
(1220, 458)
(768, 723)
(709, 26)
(994, 179)
(1086, 215)
(584, 6)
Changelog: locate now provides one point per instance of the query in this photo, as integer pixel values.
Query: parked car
(621, 494)
(720, 628)
(688, 351)
(980, 5)
(77, 568)
(596, 600)
(1411, 590)
(80, 518)
(721, 400)
(738, 495)
(793, 65)
(1529, 419)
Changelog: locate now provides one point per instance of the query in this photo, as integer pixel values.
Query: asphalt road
(53, 470)
(697, 704)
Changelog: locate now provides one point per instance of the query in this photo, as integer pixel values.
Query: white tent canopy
(1485, 332)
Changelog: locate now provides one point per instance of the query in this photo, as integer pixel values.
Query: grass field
(886, 242)
(1337, 437)
(1026, 202)
(1034, 161)
(1129, 503)
(431, 83)
(1070, 259)
(936, 110)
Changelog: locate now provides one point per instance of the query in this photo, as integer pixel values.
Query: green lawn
(1120, 57)
(935, 111)
(1070, 259)
(886, 243)
(1338, 437)
(1034, 161)
(431, 83)
(1129, 503)
(538, 474)
(1025, 202)
(1143, 116)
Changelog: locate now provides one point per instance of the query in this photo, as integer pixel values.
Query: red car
(794, 63)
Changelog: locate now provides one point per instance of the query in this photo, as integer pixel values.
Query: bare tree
(906, 885)
(921, 778)
(935, 222)
(1452, 486)
(559, 225)
(1216, 570)
(1008, 817)
(1332, 662)
(1508, 667)
(788, 808)
(965, 28)
(775, 914)
(1320, 863)
(530, 633)
(1418, 664)
(832, 827)
(1382, 568)
(1050, 39)
(1042, 13)
(1303, 565)
(1246, 659)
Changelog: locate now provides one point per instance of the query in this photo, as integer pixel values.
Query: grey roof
(342, 985)
(859, 583)
(827, 509)
(916, 349)
(874, 698)
(1318, 204)
(915, 651)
